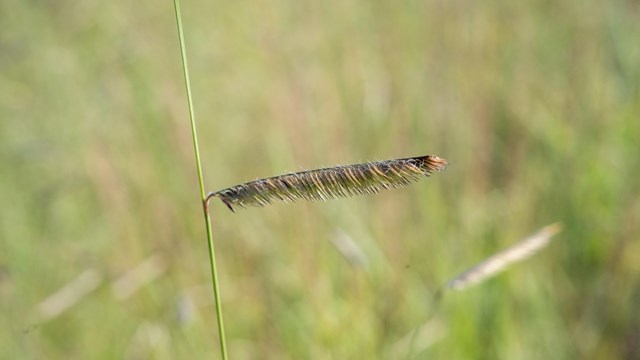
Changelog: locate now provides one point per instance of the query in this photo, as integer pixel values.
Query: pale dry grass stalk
(413, 342)
(348, 248)
(500, 261)
(89, 280)
(147, 271)
(420, 339)
(68, 295)
(151, 340)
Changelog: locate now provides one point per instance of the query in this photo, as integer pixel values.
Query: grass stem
(207, 217)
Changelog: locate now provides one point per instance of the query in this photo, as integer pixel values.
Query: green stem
(207, 218)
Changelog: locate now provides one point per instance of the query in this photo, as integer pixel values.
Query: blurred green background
(535, 104)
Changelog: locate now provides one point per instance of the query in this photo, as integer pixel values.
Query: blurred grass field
(536, 106)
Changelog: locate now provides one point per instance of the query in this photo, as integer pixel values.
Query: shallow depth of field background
(535, 104)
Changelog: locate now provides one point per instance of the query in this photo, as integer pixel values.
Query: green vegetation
(535, 105)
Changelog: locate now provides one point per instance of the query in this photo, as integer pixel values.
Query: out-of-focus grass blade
(500, 261)
(69, 295)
